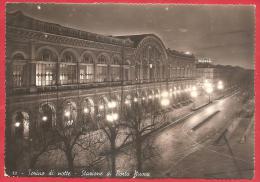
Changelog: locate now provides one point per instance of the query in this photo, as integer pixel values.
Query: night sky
(223, 33)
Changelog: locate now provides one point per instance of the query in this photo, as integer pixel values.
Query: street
(180, 151)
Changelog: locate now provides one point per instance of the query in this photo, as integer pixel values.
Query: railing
(75, 86)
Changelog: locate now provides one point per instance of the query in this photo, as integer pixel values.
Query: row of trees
(135, 119)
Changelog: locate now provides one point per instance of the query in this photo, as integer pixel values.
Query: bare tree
(136, 119)
(112, 130)
(74, 133)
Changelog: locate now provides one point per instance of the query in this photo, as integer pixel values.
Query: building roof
(179, 53)
(19, 19)
(136, 39)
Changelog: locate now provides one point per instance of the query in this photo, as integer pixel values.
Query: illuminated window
(68, 69)
(87, 69)
(115, 69)
(18, 71)
(45, 74)
(102, 69)
(68, 74)
(86, 73)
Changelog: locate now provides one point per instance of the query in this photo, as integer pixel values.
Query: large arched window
(69, 113)
(20, 125)
(152, 63)
(46, 67)
(127, 70)
(137, 71)
(68, 68)
(115, 69)
(146, 57)
(87, 68)
(88, 110)
(18, 70)
(102, 69)
(48, 117)
(18, 56)
(47, 55)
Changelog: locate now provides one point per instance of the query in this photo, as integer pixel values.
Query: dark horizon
(223, 33)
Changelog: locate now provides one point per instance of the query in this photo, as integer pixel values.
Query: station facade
(53, 72)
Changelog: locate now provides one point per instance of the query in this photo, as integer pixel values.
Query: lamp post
(194, 95)
(165, 99)
(220, 87)
(209, 89)
(68, 115)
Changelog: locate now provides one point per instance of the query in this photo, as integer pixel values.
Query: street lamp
(44, 118)
(165, 94)
(86, 110)
(100, 107)
(135, 99)
(17, 124)
(220, 86)
(194, 94)
(165, 100)
(112, 117)
(127, 102)
(67, 113)
(111, 104)
(209, 89)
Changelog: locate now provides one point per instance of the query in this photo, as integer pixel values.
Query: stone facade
(51, 69)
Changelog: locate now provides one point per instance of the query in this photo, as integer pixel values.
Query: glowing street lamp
(111, 104)
(165, 94)
(86, 110)
(112, 117)
(127, 102)
(165, 102)
(67, 113)
(194, 94)
(101, 107)
(208, 89)
(17, 124)
(44, 118)
(220, 85)
(135, 99)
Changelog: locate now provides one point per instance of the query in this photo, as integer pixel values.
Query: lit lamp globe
(44, 118)
(17, 124)
(209, 89)
(67, 113)
(109, 118)
(220, 85)
(165, 102)
(194, 94)
(85, 110)
(115, 116)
